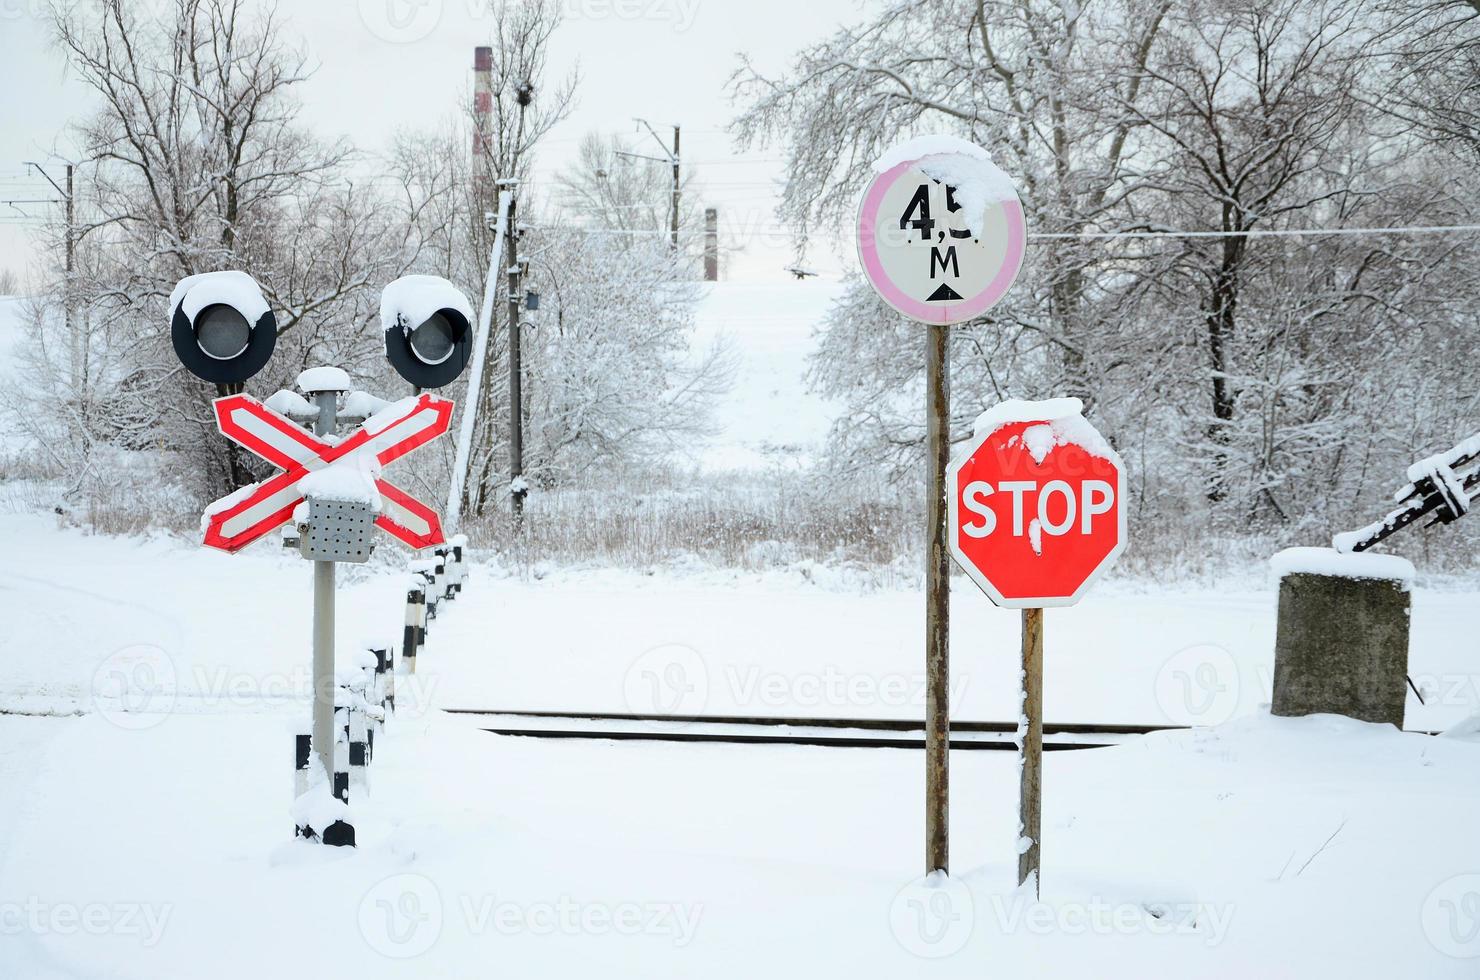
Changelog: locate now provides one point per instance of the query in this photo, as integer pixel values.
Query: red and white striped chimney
(482, 116)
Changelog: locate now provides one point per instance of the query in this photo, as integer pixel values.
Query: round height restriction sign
(941, 233)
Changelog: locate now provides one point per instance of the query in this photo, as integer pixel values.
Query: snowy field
(145, 826)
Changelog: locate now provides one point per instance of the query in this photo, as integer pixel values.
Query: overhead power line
(1171, 233)
(1264, 232)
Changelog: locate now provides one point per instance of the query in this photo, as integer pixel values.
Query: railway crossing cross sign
(238, 519)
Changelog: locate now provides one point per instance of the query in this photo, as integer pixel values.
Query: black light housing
(428, 330)
(220, 326)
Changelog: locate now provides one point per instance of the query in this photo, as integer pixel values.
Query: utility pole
(676, 189)
(670, 157)
(74, 337)
(79, 359)
(711, 245)
(516, 371)
(474, 399)
(482, 126)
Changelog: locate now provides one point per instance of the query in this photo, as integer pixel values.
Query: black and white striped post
(459, 544)
(427, 568)
(442, 577)
(411, 639)
(340, 833)
(381, 693)
(358, 734)
(387, 663)
(302, 752)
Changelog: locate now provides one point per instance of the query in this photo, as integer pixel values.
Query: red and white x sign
(240, 518)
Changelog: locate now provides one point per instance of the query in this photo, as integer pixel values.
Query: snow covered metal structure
(329, 484)
(428, 329)
(1439, 486)
(221, 327)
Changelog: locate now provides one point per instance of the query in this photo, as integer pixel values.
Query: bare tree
(1426, 57)
(609, 187)
(1254, 378)
(193, 162)
(1249, 100)
(1049, 87)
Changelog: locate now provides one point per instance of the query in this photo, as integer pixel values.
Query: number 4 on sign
(925, 224)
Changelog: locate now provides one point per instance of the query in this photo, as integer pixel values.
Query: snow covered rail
(763, 730)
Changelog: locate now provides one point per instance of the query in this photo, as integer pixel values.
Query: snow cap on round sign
(941, 232)
(1035, 504)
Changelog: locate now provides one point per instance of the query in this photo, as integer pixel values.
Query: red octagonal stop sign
(1035, 505)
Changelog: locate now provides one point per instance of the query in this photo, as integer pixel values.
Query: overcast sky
(389, 64)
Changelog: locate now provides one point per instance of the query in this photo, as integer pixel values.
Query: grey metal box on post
(337, 530)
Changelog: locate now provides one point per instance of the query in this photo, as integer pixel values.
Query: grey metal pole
(516, 371)
(74, 334)
(677, 189)
(323, 625)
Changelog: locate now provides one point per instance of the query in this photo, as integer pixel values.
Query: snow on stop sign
(1035, 504)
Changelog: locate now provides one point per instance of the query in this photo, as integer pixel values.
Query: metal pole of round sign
(941, 238)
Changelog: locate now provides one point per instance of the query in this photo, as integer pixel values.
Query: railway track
(871, 733)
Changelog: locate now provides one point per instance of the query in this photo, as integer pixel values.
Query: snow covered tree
(1253, 380)
(193, 162)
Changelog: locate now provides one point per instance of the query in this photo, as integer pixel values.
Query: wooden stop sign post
(1036, 515)
(941, 237)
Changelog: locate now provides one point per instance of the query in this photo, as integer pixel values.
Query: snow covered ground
(149, 689)
(150, 834)
(787, 642)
